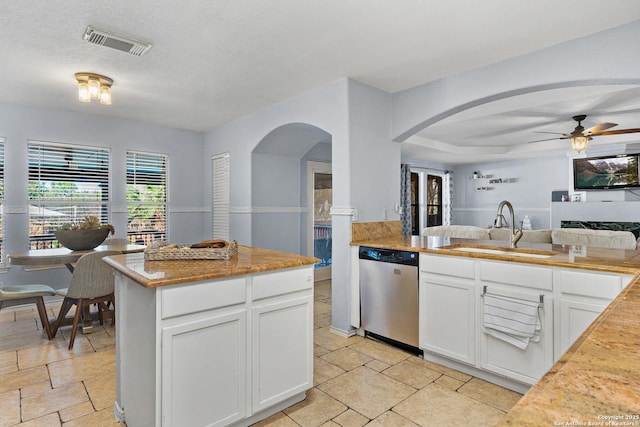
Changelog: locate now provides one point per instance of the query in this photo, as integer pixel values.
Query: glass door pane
(322, 199)
(434, 200)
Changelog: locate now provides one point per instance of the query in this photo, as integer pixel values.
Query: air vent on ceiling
(114, 41)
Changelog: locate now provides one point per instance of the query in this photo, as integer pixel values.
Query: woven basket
(185, 252)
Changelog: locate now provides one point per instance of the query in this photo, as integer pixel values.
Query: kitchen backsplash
(375, 230)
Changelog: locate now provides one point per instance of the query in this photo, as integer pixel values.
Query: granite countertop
(153, 274)
(587, 258)
(598, 379)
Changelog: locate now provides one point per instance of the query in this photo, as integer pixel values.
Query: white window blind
(1, 201)
(146, 197)
(66, 183)
(220, 196)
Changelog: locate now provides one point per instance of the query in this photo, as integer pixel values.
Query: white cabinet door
(518, 281)
(575, 318)
(282, 350)
(583, 296)
(448, 317)
(528, 365)
(204, 371)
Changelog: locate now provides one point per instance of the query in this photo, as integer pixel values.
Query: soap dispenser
(526, 223)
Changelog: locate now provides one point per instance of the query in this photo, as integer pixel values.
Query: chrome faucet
(516, 234)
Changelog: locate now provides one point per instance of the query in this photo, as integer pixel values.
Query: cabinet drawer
(517, 274)
(599, 285)
(282, 282)
(185, 299)
(448, 265)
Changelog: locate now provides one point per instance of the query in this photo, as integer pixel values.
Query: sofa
(595, 238)
(559, 236)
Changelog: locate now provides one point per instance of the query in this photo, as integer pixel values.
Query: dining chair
(29, 294)
(92, 282)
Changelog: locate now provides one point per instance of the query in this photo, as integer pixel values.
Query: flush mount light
(94, 86)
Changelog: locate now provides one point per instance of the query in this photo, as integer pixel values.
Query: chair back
(116, 241)
(92, 277)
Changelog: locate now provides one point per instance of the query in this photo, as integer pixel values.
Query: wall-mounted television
(606, 172)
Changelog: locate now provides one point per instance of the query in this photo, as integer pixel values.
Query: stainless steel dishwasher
(389, 296)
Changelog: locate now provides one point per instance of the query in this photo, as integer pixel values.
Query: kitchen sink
(500, 252)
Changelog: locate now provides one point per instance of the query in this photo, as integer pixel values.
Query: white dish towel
(512, 320)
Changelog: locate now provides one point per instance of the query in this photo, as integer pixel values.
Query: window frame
(88, 168)
(147, 236)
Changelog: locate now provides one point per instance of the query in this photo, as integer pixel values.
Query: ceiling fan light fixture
(580, 143)
(94, 86)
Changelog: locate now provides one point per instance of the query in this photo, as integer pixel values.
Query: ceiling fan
(580, 136)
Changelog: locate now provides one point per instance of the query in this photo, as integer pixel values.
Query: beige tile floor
(357, 381)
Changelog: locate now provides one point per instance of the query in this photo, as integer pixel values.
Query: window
(66, 183)
(220, 196)
(415, 204)
(1, 200)
(146, 197)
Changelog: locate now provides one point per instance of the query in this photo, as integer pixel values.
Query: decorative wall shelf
(489, 180)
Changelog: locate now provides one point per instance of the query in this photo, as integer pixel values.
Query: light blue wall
(374, 163)
(276, 186)
(18, 124)
(528, 188)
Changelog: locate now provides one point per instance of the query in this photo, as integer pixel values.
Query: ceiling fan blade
(618, 132)
(553, 133)
(597, 129)
(549, 139)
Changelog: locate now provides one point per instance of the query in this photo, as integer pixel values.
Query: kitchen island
(597, 379)
(212, 342)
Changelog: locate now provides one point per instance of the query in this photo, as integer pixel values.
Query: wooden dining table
(63, 256)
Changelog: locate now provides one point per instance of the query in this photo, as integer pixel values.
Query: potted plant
(85, 235)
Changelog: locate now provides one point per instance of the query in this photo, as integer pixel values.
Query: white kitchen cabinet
(530, 364)
(583, 296)
(451, 313)
(279, 374)
(519, 281)
(229, 351)
(447, 315)
(195, 352)
(281, 336)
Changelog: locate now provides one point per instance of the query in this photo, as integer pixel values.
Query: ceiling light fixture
(580, 143)
(94, 86)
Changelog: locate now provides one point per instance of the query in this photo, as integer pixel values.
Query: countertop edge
(208, 270)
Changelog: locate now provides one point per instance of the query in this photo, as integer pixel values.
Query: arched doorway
(282, 215)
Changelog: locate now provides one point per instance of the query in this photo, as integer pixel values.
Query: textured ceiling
(213, 61)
